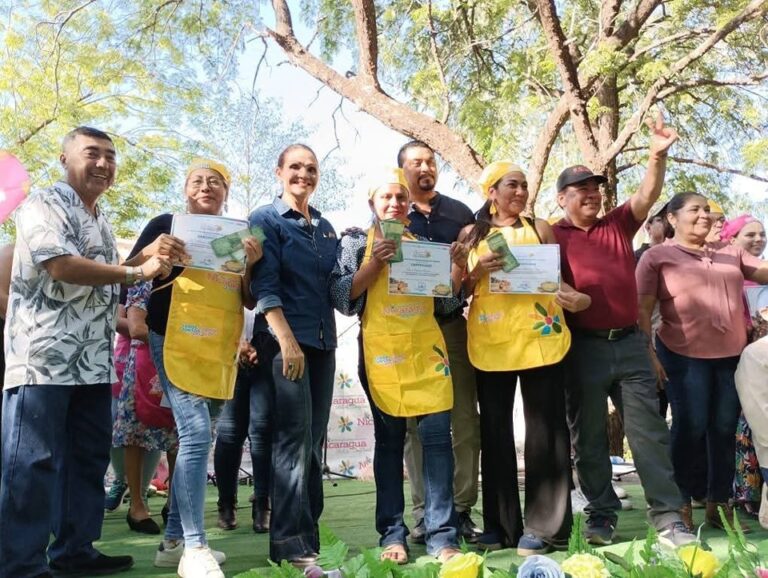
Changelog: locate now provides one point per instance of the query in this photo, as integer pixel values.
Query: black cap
(577, 174)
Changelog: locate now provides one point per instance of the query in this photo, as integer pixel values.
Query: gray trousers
(598, 368)
(465, 428)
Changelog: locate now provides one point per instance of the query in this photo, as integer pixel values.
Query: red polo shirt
(601, 263)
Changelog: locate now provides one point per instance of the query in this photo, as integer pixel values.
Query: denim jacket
(294, 272)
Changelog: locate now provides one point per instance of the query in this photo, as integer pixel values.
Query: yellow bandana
(493, 172)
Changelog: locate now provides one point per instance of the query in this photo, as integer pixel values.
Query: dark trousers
(248, 413)
(56, 442)
(547, 454)
(596, 369)
(705, 412)
(300, 420)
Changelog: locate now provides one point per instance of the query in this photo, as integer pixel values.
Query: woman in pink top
(698, 287)
(748, 233)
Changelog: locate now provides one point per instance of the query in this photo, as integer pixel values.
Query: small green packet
(230, 244)
(498, 244)
(393, 229)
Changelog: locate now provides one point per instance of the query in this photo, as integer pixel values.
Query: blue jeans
(56, 441)
(705, 412)
(435, 435)
(193, 423)
(302, 408)
(248, 413)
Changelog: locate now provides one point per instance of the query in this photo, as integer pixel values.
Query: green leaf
(538, 325)
(540, 308)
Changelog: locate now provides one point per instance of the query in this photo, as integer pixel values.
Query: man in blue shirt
(440, 219)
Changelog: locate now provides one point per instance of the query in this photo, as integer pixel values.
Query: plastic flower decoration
(540, 567)
(467, 565)
(585, 566)
(699, 562)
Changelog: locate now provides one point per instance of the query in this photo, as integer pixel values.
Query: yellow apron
(405, 357)
(202, 337)
(513, 332)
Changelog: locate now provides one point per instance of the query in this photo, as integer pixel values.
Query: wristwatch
(133, 275)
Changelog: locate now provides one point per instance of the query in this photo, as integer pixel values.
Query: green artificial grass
(349, 513)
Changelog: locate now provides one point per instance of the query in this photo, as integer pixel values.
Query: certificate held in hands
(214, 243)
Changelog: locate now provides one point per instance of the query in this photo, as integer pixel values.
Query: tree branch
(719, 169)
(609, 11)
(438, 64)
(540, 154)
(373, 100)
(679, 37)
(558, 48)
(751, 11)
(697, 82)
(365, 24)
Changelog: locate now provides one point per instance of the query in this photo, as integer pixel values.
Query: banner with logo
(350, 427)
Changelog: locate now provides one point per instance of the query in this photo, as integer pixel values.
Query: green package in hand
(393, 229)
(229, 244)
(498, 244)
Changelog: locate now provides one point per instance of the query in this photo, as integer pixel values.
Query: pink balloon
(14, 184)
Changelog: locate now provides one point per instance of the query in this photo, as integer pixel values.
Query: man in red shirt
(609, 354)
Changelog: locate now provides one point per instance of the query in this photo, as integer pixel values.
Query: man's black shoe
(467, 528)
(99, 566)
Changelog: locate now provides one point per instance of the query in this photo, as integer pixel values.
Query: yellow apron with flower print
(405, 357)
(202, 337)
(513, 332)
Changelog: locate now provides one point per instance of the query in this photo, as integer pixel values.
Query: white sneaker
(620, 492)
(676, 534)
(762, 516)
(169, 555)
(199, 563)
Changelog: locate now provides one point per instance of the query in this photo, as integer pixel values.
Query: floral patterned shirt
(59, 333)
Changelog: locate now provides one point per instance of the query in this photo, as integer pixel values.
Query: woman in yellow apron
(511, 337)
(195, 319)
(404, 371)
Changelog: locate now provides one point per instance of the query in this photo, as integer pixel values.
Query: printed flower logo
(441, 361)
(345, 381)
(346, 468)
(547, 319)
(345, 424)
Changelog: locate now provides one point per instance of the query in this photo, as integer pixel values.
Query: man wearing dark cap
(609, 354)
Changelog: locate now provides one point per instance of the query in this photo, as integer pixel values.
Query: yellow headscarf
(493, 172)
(714, 207)
(387, 176)
(200, 163)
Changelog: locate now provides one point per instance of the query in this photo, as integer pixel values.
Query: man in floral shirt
(59, 367)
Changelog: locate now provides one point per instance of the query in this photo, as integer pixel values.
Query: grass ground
(349, 510)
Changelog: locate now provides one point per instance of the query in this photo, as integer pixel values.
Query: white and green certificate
(425, 270)
(201, 233)
(538, 271)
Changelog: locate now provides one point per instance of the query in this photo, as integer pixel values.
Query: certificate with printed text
(425, 270)
(199, 231)
(538, 272)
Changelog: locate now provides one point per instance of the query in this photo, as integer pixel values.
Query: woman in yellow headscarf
(195, 319)
(511, 337)
(404, 371)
